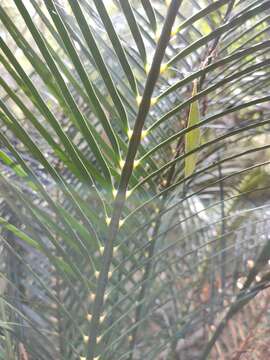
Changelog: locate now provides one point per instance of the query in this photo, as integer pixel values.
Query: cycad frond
(134, 173)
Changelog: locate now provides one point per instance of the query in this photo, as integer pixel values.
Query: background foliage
(134, 178)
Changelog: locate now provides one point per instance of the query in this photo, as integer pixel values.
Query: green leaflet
(92, 284)
(192, 138)
(19, 233)
(8, 161)
(17, 168)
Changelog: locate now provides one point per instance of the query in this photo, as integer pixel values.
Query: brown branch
(127, 172)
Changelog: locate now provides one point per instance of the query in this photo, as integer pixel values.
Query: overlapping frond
(134, 173)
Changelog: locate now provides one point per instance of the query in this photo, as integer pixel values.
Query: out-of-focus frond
(134, 159)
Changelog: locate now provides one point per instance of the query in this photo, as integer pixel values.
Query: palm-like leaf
(118, 251)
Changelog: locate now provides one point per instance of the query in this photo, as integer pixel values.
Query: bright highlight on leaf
(147, 68)
(258, 278)
(174, 31)
(157, 35)
(250, 264)
(154, 101)
(114, 193)
(115, 250)
(192, 138)
(144, 134)
(92, 296)
(101, 249)
(129, 133)
(138, 100)
(163, 68)
(85, 339)
(99, 339)
(102, 318)
(89, 317)
(121, 163)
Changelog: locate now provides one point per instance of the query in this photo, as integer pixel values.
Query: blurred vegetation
(134, 172)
